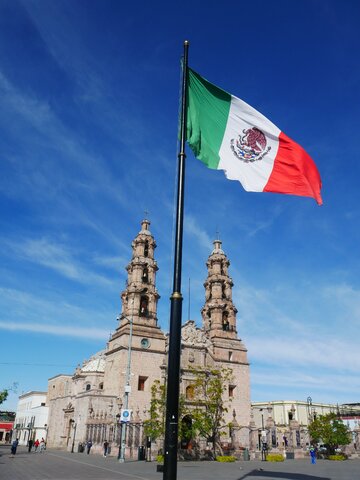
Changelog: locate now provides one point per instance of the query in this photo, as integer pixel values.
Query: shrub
(337, 457)
(225, 459)
(160, 458)
(275, 457)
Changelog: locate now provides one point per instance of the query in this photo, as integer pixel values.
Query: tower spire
(140, 297)
(219, 312)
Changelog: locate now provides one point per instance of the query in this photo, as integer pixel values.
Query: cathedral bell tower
(219, 312)
(138, 342)
(140, 297)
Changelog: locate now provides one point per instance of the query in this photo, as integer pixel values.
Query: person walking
(42, 445)
(30, 444)
(106, 446)
(313, 455)
(88, 446)
(14, 446)
(36, 444)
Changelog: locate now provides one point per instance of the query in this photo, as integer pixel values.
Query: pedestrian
(30, 444)
(36, 444)
(42, 445)
(106, 446)
(88, 446)
(313, 455)
(14, 445)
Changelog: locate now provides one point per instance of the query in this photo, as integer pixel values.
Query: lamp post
(127, 390)
(118, 416)
(263, 444)
(309, 406)
(73, 441)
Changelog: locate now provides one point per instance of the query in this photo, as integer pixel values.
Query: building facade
(6, 426)
(31, 419)
(283, 424)
(90, 403)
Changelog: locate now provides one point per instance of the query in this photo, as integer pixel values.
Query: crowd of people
(37, 446)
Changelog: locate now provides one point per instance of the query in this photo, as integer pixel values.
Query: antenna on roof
(189, 300)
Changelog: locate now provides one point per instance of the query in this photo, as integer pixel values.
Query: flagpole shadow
(281, 475)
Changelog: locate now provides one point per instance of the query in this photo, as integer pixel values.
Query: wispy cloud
(113, 263)
(326, 352)
(51, 309)
(57, 257)
(266, 222)
(63, 330)
(192, 227)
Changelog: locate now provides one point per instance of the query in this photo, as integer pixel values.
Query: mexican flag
(227, 134)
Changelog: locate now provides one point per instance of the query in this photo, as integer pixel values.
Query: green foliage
(337, 457)
(160, 459)
(3, 395)
(207, 405)
(225, 459)
(5, 392)
(275, 457)
(330, 431)
(154, 427)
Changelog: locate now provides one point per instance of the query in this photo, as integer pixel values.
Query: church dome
(96, 363)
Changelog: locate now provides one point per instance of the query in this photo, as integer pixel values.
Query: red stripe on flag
(294, 171)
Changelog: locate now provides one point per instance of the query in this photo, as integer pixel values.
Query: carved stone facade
(86, 405)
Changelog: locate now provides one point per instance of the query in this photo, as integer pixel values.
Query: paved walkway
(58, 465)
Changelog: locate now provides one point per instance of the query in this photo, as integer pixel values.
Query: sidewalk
(59, 465)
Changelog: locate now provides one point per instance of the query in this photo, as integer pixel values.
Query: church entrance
(186, 433)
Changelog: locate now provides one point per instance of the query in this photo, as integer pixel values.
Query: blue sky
(88, 142)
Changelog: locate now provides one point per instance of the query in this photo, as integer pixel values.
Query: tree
(207, 407)
(3, 395)
(5, 392)
(329, 430)
(154, 427)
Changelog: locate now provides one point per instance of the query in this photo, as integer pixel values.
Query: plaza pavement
(58, 465)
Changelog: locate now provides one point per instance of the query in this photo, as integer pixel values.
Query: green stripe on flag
(207, 115)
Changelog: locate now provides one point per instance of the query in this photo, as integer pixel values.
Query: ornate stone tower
(219, 312)
(138, 333)
(219, 322)
(139, 299)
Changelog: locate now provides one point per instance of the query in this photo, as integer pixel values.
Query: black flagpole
(172, 398)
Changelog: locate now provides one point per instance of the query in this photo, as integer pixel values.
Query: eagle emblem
(250, 146)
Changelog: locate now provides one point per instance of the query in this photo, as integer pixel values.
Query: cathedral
(89, 404)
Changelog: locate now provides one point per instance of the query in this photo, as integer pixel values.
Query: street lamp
(309, 406)
(127, 390)
(118, 416)
(263, 438)
(73, 441)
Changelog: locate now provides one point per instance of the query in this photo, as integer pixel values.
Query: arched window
(190, 392)
(87, 387)
(186, 429)
(145, 275)
(223, 294)
(101, 386)
(144, 302)
(146, 248)
(225, 321)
